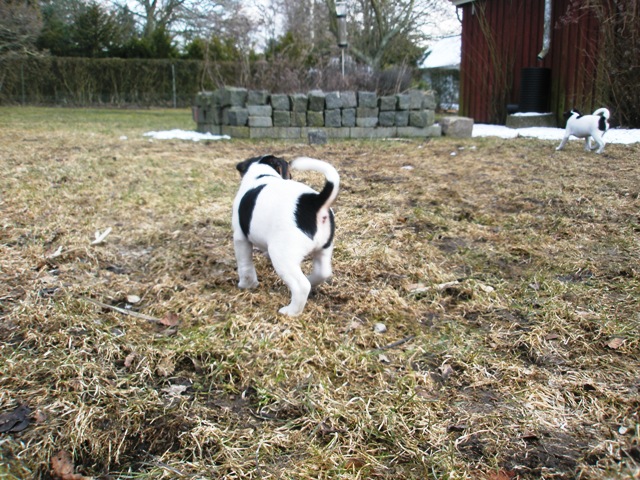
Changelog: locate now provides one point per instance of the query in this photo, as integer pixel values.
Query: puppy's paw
(246, 283)
(290, 311)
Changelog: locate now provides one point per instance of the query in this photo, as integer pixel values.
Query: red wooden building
(549, 47)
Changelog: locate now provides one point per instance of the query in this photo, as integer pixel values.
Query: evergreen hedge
(44, 80)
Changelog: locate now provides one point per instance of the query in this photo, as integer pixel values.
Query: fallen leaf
(615, 342)
(16, 420)
(446, 371)
(165, 367)
(61, 464)
(170, 320)
(382, 358)
(129, 360)
(354, 463)
(39, 416)
(62, 467)
(486, 288)
(416, 288)
(175, 390)
(501, 475)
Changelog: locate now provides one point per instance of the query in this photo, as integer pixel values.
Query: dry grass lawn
(506, 274)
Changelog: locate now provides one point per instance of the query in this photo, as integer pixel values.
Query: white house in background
(441, 70)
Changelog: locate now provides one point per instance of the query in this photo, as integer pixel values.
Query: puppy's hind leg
(321, 266)
(587, 144)
(248, 278)
(288, 268)
(598, 138)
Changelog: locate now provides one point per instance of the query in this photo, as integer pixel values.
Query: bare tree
(20, 25)
(181, 16)
(375, 26)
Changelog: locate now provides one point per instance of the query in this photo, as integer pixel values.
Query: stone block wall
(243, 113)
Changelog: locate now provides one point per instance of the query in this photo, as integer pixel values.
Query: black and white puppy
(587, 127)
(288, 220)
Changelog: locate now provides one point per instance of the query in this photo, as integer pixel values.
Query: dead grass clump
(482, 321)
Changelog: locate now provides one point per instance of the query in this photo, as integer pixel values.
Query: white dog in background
(587, 127)
(288, 220)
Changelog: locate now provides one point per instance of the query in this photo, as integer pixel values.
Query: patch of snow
(444, 53)
(530, 114)
(185, 135)
(614, 135)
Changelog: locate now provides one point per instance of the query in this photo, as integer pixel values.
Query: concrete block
(367, 112)
(332, 118)
(315, 119)
(402, 118)
(349, 99)
(387, 119)
(299, 119)
(236, 132)
(235, 116)
(413, 132)
(459, 127)
(404, 101)
(388, 102)
(281, 118)
(260, 122)
(259, 110)
(367, 100)
(421, 118)
(317, 137)
(285, 133)
(208, 128)
(415, 99)
(373, 133)
(418, 118)
(532, 120)
(428, 101)
(333, 100)
(233, 97)
(299, 102)
(280, 101)
(316, 100)
(267, 132)
(348, 117)
(257, 97)
(338, 132)
(367, 121)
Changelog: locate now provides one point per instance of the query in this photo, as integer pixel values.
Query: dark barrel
(535, 85)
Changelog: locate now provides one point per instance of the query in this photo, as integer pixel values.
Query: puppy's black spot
(307, 210)
(333, 230)
(247, 205)
(602, 124)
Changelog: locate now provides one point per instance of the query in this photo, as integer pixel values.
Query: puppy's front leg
(248, 278)
(563, 142)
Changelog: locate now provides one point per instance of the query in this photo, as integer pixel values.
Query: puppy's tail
(330, 191)
(602, 112)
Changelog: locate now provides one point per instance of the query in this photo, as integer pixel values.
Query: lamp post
(341, 15)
